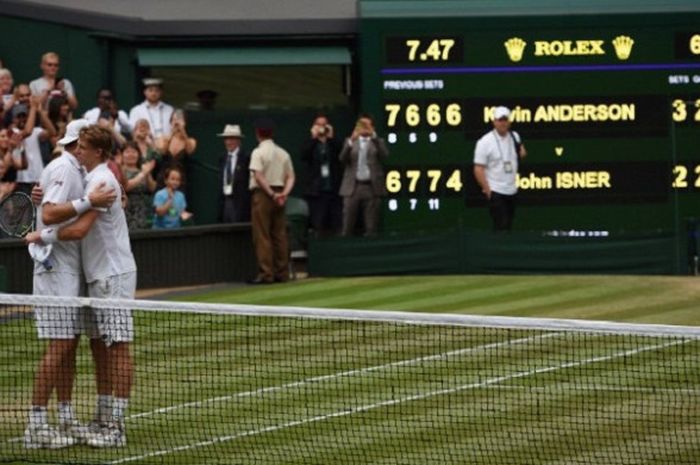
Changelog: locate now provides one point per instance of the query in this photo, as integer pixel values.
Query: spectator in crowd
(24, 122)
(271, 181)
(11, 152)
(363, 177)
(496, 168)
(234, 203)
(7, 184)
(6, 83)
(144, 139)
(60, 115)
(320, 155)
(170, 203)
(176, 147)
(23, 95)
(52, 81)
(107, 108)
(139, 187)
(106, 121)
(156, 112)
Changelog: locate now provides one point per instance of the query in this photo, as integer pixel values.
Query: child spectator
(139, 187)
(170, 203)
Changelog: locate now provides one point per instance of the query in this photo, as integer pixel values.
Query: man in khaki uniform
(271, 181)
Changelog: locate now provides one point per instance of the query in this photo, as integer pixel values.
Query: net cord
(475, 321)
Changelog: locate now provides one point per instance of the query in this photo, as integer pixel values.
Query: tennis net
(237, 384)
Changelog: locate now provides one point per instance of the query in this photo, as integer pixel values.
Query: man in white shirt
(156, 112)
(41, 87)
(24, 121)
(110, 272)
(106, 106)
(60, 274)
(496, 168)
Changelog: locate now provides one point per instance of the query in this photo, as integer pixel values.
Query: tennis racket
(17, 214)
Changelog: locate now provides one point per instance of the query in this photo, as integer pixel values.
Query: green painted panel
(243, 56)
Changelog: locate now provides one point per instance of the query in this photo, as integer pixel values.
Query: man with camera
(363, 179)
(108, 109)
(320, 155)
(51, 84)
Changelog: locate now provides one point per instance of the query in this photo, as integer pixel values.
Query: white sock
(119, 406)
(38, 416)
(65, 413)
(103, 411)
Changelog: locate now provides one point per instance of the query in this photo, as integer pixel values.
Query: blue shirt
(172, 218)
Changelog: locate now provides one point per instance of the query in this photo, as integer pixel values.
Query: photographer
(363, 179)
(320, 156)
(51, 84)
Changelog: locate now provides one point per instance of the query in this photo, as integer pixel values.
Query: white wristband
(49, 235)
(81, 205)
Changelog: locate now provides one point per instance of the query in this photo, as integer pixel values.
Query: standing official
(155, 111)
(272, 179)
(496, 168)
(235, 178)
(363, 179)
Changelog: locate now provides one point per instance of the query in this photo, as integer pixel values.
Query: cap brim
(67, 140)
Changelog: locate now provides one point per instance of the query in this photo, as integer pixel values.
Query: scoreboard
(608, 108)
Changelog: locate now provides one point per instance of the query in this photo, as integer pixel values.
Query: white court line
(342, 374)
(317, 379)
(388, 403)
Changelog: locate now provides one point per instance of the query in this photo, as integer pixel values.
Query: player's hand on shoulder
(102, 197)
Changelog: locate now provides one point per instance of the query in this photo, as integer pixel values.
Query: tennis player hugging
(85, 230)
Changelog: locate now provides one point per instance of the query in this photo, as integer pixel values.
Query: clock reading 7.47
(415, 50)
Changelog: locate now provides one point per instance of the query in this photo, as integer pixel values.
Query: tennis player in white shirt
(110, 272)
(60, 274)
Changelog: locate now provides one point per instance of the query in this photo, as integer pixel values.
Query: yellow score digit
(680, 112)
(432, 114)
(413, 176)
(695, 44)
(681, 174)
(393, 181)
(434, 176)
(454, 182)
(697, 110)
(393, 110)
(412, 115)
(453, 114)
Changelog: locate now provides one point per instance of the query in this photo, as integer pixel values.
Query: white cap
(501, 112)
(73, 131)
(148, 82)
(231, 130)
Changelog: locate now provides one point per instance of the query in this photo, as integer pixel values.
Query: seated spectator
(156, 112)
(107, 108)
(6, 84)
(24, 122)
(176, 147)
(170, 203)
(139, 187)
(52, 81)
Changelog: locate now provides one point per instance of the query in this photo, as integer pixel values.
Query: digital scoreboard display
(608, 108)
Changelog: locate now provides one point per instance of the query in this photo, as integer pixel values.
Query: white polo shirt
(157, 115)
(498, 155)
(106, 250)
(62, 181)
(121, 124)
(35, 164)
(40, 85)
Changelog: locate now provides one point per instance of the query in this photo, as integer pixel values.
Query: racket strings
(17, 214)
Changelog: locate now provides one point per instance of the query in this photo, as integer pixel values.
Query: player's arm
(100, 197)
(72, 232)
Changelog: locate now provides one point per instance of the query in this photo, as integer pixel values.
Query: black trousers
(502, 210)
(326, 213)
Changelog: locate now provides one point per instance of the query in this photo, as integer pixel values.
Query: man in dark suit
(320, 155)
(363, 179)
(234, 178)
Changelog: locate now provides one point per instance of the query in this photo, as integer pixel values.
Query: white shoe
(81, 433)
(110, 436)
(46, 437)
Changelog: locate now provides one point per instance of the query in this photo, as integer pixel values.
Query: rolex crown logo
(623, 46)
(515, 47)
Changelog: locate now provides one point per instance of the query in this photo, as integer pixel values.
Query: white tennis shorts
(58, 322)
(112, 325)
